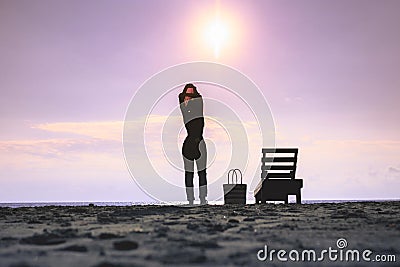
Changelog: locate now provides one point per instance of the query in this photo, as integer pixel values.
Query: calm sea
(42, 204)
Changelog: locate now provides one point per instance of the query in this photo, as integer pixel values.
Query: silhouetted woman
(194, 147)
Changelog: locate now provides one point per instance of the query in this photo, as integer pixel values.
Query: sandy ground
(199, 236)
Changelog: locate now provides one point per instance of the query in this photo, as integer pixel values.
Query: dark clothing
(194, 123)
(201, 164)
(193, 116)
(190, 175)
(194, 147)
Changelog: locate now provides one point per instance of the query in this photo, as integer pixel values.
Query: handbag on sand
(235, 193)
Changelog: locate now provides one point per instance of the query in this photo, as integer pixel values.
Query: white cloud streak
(330, 168)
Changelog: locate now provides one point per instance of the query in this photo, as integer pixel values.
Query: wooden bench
(278, 176)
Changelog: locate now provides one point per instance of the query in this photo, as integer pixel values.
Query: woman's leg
(189, 173)
(201, 164)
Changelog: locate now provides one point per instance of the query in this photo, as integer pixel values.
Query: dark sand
(199, 236)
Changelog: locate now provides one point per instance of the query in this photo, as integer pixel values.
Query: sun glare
(216, 35)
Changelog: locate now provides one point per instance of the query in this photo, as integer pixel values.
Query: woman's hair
(195, 92)
(194, 95)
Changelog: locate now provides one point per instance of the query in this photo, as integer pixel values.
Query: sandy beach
(228, 235)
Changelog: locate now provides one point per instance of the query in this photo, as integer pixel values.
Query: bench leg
(263, 199)
(298, 197)
(287, 199)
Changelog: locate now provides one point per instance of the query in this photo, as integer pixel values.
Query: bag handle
(234, 173)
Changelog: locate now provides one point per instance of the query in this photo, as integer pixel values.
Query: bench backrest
(279, 163)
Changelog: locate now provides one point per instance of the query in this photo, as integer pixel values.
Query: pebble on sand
(125, 245)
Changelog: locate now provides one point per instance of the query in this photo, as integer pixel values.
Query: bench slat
(278, 167)
(279, 159)
(280, 175)
(280, 150)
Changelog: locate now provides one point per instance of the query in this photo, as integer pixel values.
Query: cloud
(291, 99)
(57, 153)
(84, 143)
(330, 168)
(393, 170)
(163, 150)
(107, 130)
(348, 168)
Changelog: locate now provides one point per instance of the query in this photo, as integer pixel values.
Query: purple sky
(330, 71)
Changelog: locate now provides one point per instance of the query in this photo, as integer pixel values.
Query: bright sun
(216, 35)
